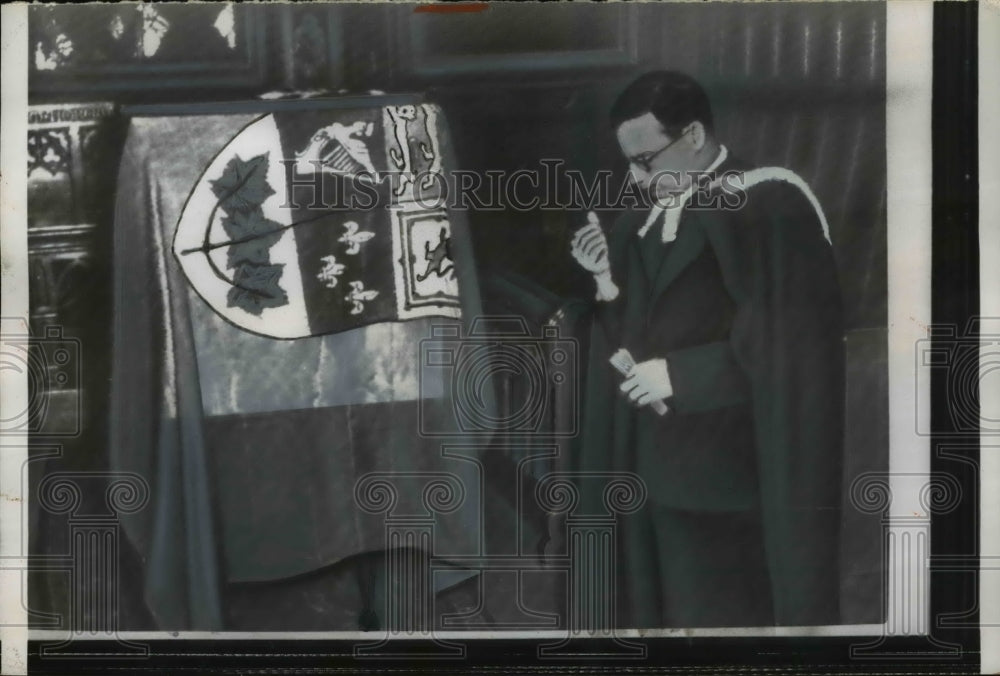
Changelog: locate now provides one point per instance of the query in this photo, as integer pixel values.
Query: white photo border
(909, 55)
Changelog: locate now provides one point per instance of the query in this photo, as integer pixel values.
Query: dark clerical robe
(743, 475)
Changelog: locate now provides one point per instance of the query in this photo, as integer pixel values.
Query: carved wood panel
(131, 47)
(72, 162)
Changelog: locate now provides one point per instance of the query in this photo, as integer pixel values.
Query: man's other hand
(647, 382)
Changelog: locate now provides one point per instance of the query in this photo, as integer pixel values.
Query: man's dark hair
(675, 99)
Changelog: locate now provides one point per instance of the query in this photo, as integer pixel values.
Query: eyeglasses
(644, 161)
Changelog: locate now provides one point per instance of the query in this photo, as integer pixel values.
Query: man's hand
(590, 249)
(647, 382)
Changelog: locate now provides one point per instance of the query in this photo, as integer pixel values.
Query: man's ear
(698, 135)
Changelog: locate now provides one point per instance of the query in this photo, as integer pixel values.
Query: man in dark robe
(725, 294)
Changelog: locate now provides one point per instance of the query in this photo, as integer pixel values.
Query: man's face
(657, 163)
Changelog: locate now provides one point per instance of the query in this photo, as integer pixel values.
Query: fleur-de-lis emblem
(330, 272)
(354, 237)
(359, 296)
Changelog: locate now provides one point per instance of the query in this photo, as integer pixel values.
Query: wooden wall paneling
(532, 41)
(366, 45)
(311, 49)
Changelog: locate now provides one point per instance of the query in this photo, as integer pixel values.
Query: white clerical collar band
(674, 208)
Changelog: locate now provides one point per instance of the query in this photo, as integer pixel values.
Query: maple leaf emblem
(243, 184)
(242, 189)
(252, 236)
(256, 288)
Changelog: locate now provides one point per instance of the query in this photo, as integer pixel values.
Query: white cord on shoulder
(753, 177)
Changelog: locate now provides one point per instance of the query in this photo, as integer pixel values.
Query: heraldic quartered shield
(315, 222)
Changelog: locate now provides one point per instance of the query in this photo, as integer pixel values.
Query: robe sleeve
(788, 338)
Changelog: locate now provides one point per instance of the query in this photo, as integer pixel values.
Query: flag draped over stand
(266, 332)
